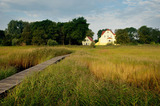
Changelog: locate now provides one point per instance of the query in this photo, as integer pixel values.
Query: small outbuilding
(87, 41)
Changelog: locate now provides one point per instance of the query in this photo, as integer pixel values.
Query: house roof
(103, 33)
(108, 30)
(90, 38)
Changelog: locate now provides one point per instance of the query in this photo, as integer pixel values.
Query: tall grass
(6, 72)
(25, 58)
(73, 82)
(135, 66)
(127, 75)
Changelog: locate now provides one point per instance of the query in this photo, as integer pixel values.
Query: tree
(26, 35)
(7, 40)
(45, 30)
(100, 32)
(145, 35)
(2, 36)
(155, 33)
(90, 33)
(37, 41)
(61, 33)
(132, 33)
(76, 30)
(15, 28)
(122, 36)
(80, 28)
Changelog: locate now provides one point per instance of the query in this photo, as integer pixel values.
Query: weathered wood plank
(17, 78)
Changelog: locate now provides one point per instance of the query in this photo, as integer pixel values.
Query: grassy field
(14, 59)
(105, 75)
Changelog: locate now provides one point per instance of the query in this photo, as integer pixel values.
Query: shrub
(93, 45)
(110, 44)
(7, 42)
(52, 42)
(15, 42)
(153, 43)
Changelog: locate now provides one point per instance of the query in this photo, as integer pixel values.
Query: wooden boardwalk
(17, 78)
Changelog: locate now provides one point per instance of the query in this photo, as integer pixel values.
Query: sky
(100, 14)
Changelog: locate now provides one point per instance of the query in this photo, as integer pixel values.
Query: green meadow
(105, 75)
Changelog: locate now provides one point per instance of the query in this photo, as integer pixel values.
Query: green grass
(113, 75)
(6, 72)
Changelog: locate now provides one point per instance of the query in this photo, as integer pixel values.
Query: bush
(7, 42)
(15, 42)
(110, 44)
(93, 45)
(153, 43)
(133, 43)
(52, 42)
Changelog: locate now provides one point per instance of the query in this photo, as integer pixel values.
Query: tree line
(45, 32)
(143, 35)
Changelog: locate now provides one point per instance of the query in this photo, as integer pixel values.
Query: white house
(106, 37)
(87, 41)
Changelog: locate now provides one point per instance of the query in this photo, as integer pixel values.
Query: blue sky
(112, 14)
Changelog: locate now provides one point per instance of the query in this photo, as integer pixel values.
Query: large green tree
(80, 28)
(76, 30)
(132, 33)
(15, 28)
(122, 36)
(43, 30)
(145, 35)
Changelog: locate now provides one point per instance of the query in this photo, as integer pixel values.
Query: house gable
(107, 37)
(88, 40)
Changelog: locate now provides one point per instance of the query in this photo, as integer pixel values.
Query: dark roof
(90, 38)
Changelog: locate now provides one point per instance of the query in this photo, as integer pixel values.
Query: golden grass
(136, 66)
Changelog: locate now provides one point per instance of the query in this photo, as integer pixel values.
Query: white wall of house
(87, 41)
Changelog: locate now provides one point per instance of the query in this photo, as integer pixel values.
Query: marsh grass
(124, 75)
(24, 58)
(72, 82)
(6, 72)
(135, 66)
